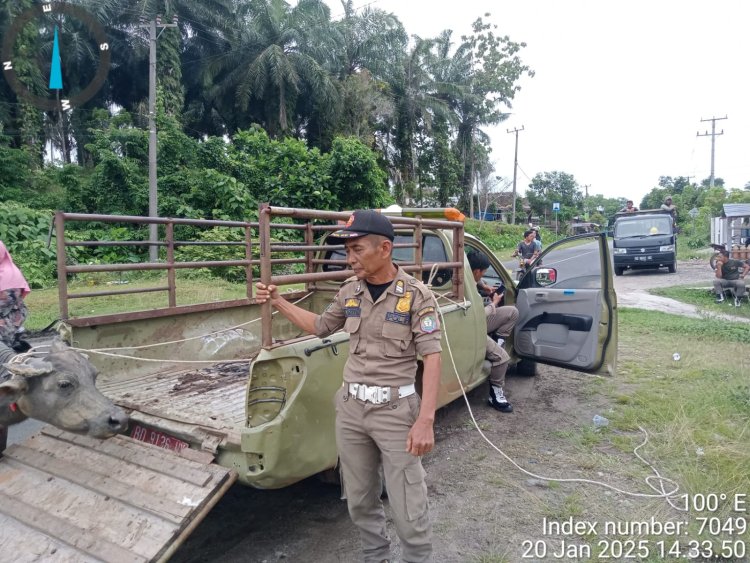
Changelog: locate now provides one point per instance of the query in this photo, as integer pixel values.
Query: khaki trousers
(501, 320)
(367, 436)
(738, 286)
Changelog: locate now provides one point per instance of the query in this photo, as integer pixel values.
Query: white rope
(108, 351)
(157, 360)
(661, 493)
(433, 273)
(145, 346)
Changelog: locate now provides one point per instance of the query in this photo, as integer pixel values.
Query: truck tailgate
(73, 498)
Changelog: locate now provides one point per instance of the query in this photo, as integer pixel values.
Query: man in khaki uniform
(391, 318)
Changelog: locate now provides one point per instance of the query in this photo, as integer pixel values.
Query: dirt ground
(482, 507)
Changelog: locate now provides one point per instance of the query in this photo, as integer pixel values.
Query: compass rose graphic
(41, 15)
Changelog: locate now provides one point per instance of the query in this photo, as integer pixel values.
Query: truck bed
(212, 396)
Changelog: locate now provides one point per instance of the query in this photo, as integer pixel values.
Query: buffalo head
(59, 388)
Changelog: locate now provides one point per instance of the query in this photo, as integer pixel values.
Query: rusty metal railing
(259, 251)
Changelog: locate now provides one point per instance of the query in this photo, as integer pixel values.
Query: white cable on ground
(661, 493)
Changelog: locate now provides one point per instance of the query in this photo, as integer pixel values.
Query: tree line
(294, 70)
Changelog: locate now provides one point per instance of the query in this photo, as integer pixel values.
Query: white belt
(378, 395)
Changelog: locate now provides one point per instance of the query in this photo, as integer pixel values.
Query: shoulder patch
(425, 311)
(428, 324)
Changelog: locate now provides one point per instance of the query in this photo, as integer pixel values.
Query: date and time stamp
(720, 521)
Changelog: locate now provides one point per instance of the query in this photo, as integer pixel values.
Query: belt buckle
(384, 395)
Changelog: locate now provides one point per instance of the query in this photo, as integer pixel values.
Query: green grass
(695, 410)
(704, 298)
(44, 309)
(684, 252)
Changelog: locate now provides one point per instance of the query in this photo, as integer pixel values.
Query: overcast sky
(620, 87)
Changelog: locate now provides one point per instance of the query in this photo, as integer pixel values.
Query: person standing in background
(13, 290)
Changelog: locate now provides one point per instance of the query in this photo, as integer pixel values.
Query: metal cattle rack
(259, 250)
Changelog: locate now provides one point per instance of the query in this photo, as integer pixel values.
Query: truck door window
(433, 250)
(578, 265)
(490, 277)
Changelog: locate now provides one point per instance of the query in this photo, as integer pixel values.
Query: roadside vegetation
(685, 381)
(705, 299)
(694, 407)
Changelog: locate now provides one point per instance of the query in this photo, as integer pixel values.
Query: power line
(524, 173)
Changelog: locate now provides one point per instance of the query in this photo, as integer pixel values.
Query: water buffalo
(58, 388)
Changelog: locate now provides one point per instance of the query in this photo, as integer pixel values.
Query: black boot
(497, 399)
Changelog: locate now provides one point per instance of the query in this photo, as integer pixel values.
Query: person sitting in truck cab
(500, 321)
(730, 274)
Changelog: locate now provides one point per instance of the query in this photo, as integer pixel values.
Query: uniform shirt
(386, 336)
(731, 269)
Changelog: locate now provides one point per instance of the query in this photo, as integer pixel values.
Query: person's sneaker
(719, 298)
(497, 399)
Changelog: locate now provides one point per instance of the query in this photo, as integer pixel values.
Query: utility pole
(515, 172)
(153, 208)
(586, 202)
(713, 134)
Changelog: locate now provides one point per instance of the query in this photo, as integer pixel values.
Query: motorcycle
(523, 265)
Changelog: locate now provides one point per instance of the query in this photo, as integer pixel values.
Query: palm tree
(419, 99)
(369, 40)
(490, 85)
(279, 53)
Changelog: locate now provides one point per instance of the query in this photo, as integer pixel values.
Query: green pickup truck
(219, 392)
(270, 416)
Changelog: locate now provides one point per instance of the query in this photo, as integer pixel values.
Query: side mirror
(545, 276)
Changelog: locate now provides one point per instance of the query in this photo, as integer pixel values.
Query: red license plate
(157, 438)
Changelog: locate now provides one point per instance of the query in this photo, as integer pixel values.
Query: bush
(495, 234)
(356, 179)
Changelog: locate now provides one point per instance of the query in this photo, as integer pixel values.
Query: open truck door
(65, 497)
(568, 308)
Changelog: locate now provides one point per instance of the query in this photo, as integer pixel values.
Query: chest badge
(404, 303)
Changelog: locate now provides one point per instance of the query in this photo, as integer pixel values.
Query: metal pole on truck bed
(266, 315)
(62, 273)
